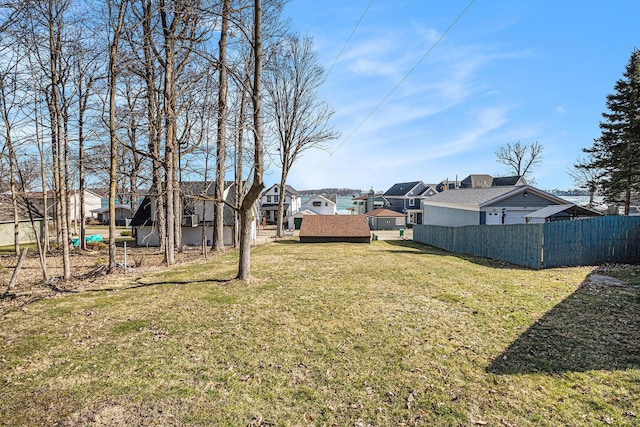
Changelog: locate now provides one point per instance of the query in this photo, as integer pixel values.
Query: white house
(498, 205)
(321, 205)
(270, 199)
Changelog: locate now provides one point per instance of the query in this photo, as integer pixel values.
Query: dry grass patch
(392, 333)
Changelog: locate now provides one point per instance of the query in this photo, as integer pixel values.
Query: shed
(25, 229)
(335, 228)
(386, 219)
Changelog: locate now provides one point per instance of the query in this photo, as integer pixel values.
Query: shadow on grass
(597, 327)
(159, 283)
(421, 248)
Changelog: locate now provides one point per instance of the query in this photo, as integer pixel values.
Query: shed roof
(382, 212)
(571, 209)
(335, 226)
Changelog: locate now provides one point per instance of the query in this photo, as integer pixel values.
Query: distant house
(368, 202)
(480, 181)
(197, 215)
(92, 201)
(123, 213)
(487, 181)
(25, 230)
(269, 203)
(321, 205)
(497, 205)
(386, 219)
(405, 197)
(335, 228)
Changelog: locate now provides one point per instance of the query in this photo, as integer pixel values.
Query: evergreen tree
(617, 151)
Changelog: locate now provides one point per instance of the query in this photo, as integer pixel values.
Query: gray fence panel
(609, 239)
(613, 239)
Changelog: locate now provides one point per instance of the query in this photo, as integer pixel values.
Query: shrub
(126, 233)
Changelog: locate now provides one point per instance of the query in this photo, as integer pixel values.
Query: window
(275, 189)
(412, 202)
(268, 199)
(275, 199)
(317, 204)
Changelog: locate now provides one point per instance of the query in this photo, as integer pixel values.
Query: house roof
(142, 216)
(304, 213)
(287, 190)
(6, 209)
(106, 208)
(508, 180)
(382, 212)
(335, 226)
(329, 198)
(402, 189)
(486, 196)
(477, 181)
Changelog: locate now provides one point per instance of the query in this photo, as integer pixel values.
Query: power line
(411, 70)
(348, 39)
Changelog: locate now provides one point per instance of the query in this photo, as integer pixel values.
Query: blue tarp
(90, 238)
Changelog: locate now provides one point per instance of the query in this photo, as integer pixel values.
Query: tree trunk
(246, 208)
(113, 145)
(57, 143)
(281, 208)
(221, 150)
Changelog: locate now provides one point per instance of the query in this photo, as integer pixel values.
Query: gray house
(405, 197)
(498, 205)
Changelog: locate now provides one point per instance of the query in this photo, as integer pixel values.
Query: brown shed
(335, 228)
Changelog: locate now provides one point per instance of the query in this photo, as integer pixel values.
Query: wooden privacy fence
(608, 239)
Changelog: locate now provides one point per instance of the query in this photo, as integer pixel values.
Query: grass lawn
(392, 333)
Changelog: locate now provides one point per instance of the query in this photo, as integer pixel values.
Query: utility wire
(383, 100)
(348, 39)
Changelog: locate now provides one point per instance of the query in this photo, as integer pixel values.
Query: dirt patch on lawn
(88, 270)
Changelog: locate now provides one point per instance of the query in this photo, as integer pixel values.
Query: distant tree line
(336, 191)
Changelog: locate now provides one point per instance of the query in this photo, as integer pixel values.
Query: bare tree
(246, 206)
(300, 118)
(8, 88)
(221, 158)
(113, 139)
(586, 177)
(520, 158)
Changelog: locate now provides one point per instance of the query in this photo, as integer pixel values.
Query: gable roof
(330, 199)
(6, 209)
(386, 213)
(481, 197)
(287, 190)
(335, 226)
(402, 189)
(477, 181)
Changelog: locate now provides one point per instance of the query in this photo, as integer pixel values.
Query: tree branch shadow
(595, 328)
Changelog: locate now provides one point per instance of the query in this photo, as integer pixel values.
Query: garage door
(515, 217)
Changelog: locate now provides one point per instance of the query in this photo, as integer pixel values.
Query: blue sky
(508, 71)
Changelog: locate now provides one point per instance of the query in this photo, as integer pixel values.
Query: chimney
(370, 195)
